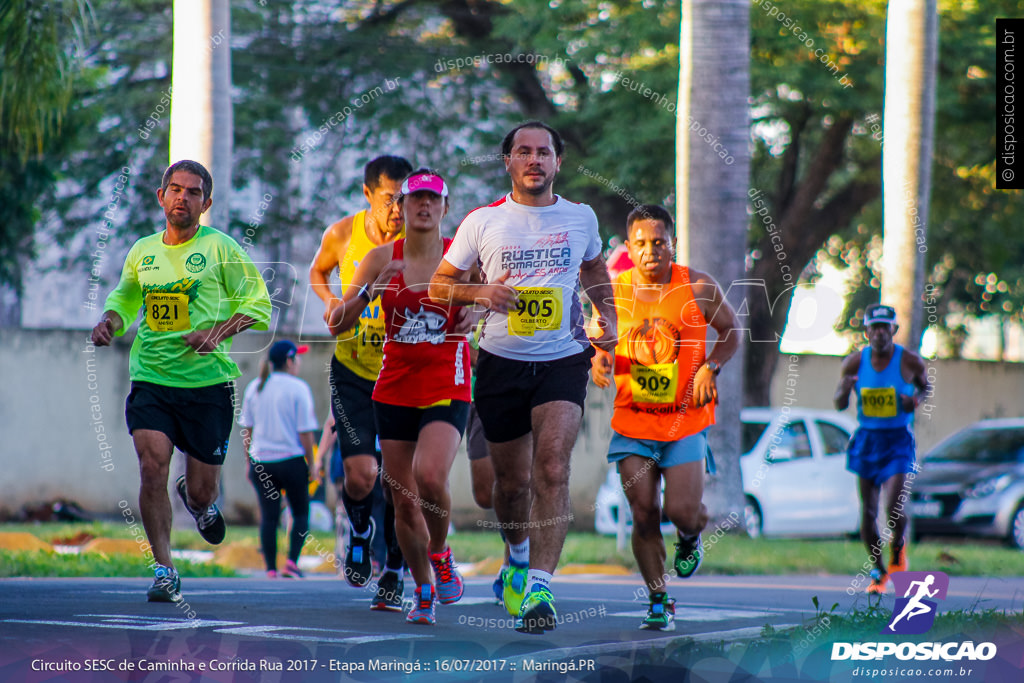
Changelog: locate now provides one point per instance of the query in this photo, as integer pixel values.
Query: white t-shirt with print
(543, 248)
(278, 414)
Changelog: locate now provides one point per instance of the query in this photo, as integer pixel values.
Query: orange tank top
(661, 346)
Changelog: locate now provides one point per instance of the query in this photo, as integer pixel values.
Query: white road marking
(132, 623)
(237, 628)
(561, 653)
(272, 632)
(687, 614)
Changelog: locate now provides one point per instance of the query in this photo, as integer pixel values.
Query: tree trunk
(714, 84)
(201, 117)
(911, 44)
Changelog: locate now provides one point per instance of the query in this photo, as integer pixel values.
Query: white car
(794, 477)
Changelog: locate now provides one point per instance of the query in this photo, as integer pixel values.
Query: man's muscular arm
(720, 315)
(334, 242)
(449, 286)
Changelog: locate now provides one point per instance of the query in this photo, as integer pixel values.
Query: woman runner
(421, 400)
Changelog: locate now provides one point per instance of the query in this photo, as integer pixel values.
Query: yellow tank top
(361, 349)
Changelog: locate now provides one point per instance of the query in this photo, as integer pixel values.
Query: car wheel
(752, 518)
(1016, 536)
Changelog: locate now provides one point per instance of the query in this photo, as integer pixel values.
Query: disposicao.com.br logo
(913, 614)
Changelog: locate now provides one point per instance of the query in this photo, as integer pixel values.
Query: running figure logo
(914, 613)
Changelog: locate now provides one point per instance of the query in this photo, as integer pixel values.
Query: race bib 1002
(880, 402)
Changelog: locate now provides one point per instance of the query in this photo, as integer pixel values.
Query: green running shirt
(182, 288)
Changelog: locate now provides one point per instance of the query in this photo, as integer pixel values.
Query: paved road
(322, 629)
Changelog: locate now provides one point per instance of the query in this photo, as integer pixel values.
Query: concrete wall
(62, 419)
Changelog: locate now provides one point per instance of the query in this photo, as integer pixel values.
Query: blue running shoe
(449, 581)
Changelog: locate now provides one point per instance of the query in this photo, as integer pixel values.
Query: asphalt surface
(320, 629)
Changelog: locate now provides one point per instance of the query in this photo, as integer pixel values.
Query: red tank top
(424, 362)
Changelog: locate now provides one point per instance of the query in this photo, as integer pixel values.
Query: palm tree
(714, 84)
(201, 118)
(911, 49)
(40, 55)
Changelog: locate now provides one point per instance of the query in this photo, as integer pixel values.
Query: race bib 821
(167, 311)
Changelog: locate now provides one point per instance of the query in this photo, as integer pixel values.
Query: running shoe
(538, 612)
(166, 586)
(271, 573)
(661, 615)
(449, 581)
(422, 611)
(358, 565)
(210, 522)
(499, 585)
(689, 554)
(899, 560)
(513, 589)
(390, 589)
(879, 580)
(291, 571)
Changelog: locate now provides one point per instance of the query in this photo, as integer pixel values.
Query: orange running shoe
(879, 582)
(899, 560)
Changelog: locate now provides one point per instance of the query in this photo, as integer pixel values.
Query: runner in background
(358, 358)
(278, 427)
(890, 382)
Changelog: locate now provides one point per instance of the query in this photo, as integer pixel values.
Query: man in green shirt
(198, 289)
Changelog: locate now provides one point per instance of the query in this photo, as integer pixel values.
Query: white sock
(535, 576)
(519, 552)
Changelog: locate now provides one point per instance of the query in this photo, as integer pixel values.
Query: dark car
(973, 484)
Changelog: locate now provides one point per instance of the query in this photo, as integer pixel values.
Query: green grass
(44, 563)
(728, 555)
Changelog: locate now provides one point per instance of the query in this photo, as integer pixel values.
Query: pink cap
(425, 182)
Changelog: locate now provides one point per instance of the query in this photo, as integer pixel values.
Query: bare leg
(555, 427)
(642, 494)
(154, 450)
(481, 473)
(869, 521)
(201, 484)
(897, 517)
(513, 462)
(409, 522)
(360, 475)
(435, 452)
(684, 488)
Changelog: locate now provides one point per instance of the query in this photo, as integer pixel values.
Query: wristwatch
(713, 367)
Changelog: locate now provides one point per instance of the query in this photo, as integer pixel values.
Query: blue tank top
(878, 403)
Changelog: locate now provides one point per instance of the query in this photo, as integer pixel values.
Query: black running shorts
(400, 423)
(506, 391)
(352, 406)
(196, 420)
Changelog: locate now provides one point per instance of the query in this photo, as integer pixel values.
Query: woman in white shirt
(279, 425)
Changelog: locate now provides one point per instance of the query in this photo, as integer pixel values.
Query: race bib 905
(539, 308)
